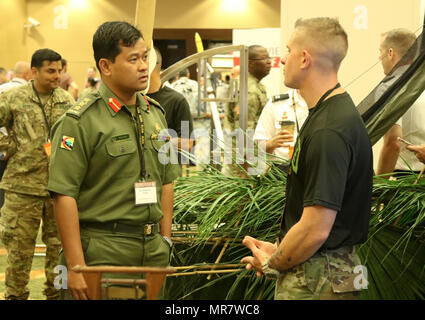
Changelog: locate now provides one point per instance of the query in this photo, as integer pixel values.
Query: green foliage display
(222, 210)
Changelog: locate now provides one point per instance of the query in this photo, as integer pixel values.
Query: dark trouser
(107, 248)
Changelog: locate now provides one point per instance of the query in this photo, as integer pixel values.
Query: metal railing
(201, 59)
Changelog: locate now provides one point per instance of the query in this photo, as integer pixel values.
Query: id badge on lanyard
(145, 193)
(48, 148)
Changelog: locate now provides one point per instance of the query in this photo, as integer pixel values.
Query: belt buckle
(148, 229)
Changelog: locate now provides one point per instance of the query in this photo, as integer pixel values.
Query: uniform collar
(113, 103)
(54, 96)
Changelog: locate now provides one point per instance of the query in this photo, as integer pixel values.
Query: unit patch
(67, 143)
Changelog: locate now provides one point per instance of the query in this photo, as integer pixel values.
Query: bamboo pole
(226, 244)
(207, 266)
(209, 272)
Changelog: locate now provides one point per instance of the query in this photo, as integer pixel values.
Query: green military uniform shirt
(257, 100)
(21, 114)
(96, 160)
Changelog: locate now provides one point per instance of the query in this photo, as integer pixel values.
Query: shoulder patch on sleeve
(155, 103)
(79, 108)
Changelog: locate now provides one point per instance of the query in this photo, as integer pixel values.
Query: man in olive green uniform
(109, 175)
(259, 65)
(28, 112)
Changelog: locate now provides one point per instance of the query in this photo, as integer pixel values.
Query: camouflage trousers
(328, 275)
(19, 226)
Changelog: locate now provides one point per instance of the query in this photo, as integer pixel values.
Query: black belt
(144, 229)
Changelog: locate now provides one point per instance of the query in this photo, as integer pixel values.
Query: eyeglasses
(265, 58)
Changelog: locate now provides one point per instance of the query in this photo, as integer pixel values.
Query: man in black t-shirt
(177, 110)
(329, 184)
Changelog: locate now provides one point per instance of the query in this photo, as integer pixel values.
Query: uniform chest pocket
(120, 148)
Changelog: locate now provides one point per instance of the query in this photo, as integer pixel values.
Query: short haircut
(253, 51)
(41, 55)
(64, 63)
(110, 36)
(184, 72)
(400, 40)
(2, 70)
(92, 82)
(326, 36)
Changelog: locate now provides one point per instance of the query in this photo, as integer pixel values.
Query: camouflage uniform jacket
(21, 114)
(257, 99)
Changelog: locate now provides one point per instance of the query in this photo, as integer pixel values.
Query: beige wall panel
(12, 33)
(208, 14)
(145, 17)
(69, 29)
(363, 21)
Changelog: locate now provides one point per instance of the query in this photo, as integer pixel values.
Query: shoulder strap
(78, 109)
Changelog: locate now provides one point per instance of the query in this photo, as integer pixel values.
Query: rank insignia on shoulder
(160, 137)
(114, 104)
(280, 97)
(148, 104)
(67, 143)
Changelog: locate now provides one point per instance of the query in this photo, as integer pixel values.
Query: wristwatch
(269, 272)
(169, 241)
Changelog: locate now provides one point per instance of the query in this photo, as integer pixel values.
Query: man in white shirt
(268, 132)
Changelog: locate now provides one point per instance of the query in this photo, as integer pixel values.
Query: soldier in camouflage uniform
(329, 184)
(28, 112)
(259, 65)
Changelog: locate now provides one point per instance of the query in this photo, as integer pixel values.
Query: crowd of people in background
(50, 125)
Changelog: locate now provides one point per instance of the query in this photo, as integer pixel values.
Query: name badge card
(145, 193)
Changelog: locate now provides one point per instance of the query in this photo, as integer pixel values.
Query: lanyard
(40, 104)
(294, 105)
(316, 107)
(140, 133)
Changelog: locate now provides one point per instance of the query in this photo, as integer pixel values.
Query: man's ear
(391, 54)
(305, 59)
(105, 66)
(34, 72)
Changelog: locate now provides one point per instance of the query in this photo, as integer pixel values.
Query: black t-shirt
(332, 166)
(176, 110)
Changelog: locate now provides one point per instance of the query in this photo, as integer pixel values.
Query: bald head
(22, 70)
(324, 38)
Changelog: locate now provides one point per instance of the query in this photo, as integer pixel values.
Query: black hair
(92, 82)
(64, 63)
(110, 36)
(41, 55)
